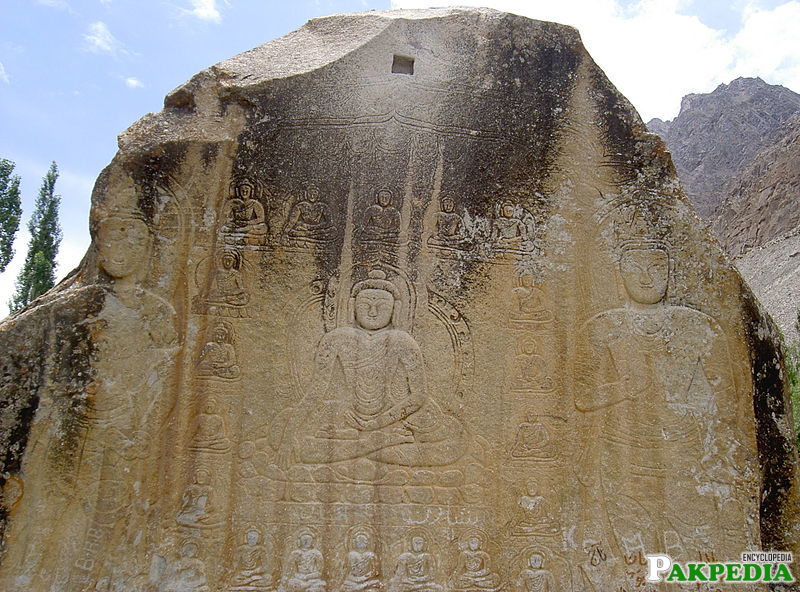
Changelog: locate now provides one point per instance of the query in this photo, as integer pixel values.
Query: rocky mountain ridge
(737, 150)
(761, 204)
(717, 134)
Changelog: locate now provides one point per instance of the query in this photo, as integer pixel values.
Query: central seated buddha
(368, 396)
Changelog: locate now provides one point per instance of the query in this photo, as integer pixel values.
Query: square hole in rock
(402, 65)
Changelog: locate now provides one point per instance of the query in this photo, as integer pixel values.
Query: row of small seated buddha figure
(310, 220)
(415, 570)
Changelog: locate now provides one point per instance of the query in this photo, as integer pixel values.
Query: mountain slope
(773, 273)
(763, 202)
(717, 134)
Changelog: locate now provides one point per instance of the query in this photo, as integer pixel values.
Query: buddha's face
(305, 541)
(645, 273)
(221, 335)
(508, 210)
(536, 561)
(474, 544)
(252, 537)
(244, 191)
(417, 544)
(361, 542)
(228, 261)
(525, 281)
(312, 194)
(189, 550)
(374, 308)
(384, 198)
(448, 205)
(123, 245)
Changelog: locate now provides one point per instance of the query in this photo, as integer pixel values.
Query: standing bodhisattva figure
(648, 367)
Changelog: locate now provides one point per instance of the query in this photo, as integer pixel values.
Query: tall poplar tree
(38, 274)
(10, 211)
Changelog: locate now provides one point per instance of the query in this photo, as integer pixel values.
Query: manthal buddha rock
(400, 302)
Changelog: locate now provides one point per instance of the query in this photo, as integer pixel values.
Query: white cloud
(655, 53)
(132, 82)
(9, 276)
(100, 40)
(3, 76)
(70, 253)
(9, 47)
(59, 4)
(766, 45)
(205, 10)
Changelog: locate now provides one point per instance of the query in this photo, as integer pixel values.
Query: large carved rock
(403, 301)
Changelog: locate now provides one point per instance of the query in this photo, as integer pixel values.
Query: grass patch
(793, 371)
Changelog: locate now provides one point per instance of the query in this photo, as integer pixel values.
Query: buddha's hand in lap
(367, 425)
(384, 439)
(356, 421)
(403, 430)
(284, 458)
(330, 432)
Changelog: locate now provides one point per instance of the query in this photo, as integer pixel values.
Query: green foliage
(10, 211)
(38, 274)
(793, 370)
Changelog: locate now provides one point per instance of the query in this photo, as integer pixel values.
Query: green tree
(38, 274)
(10, 211)
(793, 370)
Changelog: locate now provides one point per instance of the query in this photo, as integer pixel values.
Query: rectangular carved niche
(402, 65)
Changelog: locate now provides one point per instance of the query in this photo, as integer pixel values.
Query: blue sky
(76, 73)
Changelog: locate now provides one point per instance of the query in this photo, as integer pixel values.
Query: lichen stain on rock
(780, 505)
(154, 173)
(52, 345)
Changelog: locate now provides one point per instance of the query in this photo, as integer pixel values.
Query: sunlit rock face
(404, 302)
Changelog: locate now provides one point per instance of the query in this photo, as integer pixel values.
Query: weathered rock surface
(718, 134)
(738, 147)
(763, 202)
(773, 273)
(758, 224)
(403, 301)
